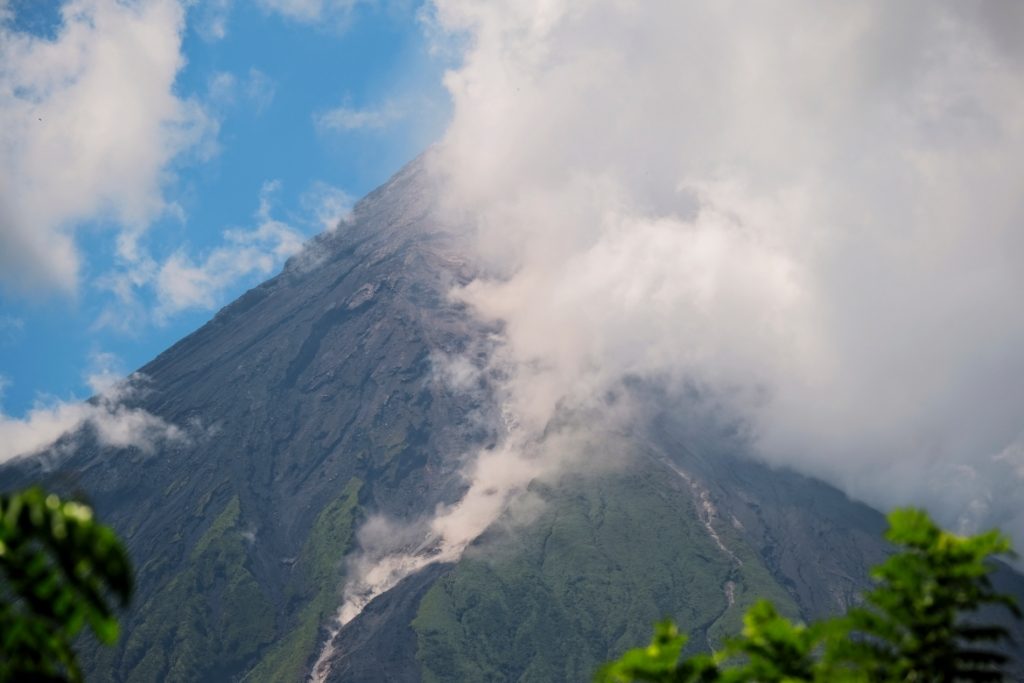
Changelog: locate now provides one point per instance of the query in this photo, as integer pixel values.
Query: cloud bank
(810, 210)
(89, 123)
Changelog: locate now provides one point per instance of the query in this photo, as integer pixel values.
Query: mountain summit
(327, 413)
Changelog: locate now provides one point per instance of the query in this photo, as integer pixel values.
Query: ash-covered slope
(315, 400)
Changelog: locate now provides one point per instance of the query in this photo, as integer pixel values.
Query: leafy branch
(919, 623)
(59, 566)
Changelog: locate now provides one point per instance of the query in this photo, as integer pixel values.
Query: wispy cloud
(182, 281)
(329, 206)
(211, 18)
(11, 329)
(259, 89)
(345, 118)
(333, 13)
(221, 88)
(256, 89)
(183, 284)
(105, 372)
(111, 419)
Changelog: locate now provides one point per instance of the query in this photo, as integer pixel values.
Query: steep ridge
(310, 400)
(318, 400)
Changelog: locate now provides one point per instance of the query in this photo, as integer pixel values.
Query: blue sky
(285, 112)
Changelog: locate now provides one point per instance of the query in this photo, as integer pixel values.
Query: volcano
(323, 401)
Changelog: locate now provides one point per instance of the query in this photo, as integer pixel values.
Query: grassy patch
(212, 616)
(319, 572)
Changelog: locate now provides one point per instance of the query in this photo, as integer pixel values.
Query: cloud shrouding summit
(812, 209)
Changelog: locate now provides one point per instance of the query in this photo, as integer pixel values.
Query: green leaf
(60, 566)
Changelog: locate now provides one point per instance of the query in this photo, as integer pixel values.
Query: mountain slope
(318, 400)
(610, 553)
(319, 378)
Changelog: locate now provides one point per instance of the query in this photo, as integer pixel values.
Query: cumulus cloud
(345, 118)
(810, 210)
(108, 416)
(89, 123)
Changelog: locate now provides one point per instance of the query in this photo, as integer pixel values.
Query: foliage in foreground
(918, 624)
(59, 566)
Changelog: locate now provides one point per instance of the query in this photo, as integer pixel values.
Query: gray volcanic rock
(318, 399)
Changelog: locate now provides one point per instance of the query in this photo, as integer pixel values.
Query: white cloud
(105, 372)
(808, 209)
(151, 290)
(259, 89)
(328, 205)
(113, 423)
(346, 118)
(221, 88)
(11, 329)
(88, 125)
(211, 18)
(183, 284)
(332, 12)
(390, 551)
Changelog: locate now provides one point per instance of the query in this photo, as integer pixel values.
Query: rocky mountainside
(315, 402)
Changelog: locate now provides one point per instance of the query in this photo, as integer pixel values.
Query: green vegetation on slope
(320, 570)
(213, 612)
(214, 619)
(605, 557)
